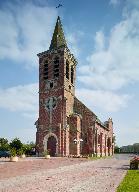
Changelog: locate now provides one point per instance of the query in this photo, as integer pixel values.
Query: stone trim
(46, 139)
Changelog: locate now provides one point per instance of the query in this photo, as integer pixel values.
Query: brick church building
(65, 125)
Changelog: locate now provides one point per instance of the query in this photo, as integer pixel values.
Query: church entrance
(51, 145)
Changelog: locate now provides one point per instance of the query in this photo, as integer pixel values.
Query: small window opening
(72, 74)
(51, 85)
(67, 69)
(56, 70)
(85, 139)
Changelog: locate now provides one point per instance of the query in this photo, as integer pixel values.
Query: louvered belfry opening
(56, 67)
(72, 74)
(45, 72)
(67, 69)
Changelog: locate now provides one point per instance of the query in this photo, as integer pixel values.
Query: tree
(16, 144)
(4, 146)
(29, 148)
(136, 147)
(116, 149)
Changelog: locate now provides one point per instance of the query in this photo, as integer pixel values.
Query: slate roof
(58, 38)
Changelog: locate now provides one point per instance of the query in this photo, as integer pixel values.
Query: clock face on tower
(50, 103)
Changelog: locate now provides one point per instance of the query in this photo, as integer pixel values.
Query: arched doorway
(51, 145)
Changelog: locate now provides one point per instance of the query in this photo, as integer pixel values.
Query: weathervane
(60, 5)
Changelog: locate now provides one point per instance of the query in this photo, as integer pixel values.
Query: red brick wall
(87, 128)
(56, 125)
(87, 124)
(68, 107)
(63, 90)
(74, 134)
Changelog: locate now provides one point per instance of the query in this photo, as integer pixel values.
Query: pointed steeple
(58, 38)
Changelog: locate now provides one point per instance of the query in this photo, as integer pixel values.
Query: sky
(104, 37)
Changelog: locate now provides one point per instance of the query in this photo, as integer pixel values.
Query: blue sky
(104, 37)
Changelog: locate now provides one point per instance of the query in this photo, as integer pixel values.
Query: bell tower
(57, 70)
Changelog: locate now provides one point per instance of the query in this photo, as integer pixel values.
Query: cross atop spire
(58, 38)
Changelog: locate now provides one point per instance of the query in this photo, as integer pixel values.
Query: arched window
(72, 74)
(45, 70)
(109, 142)
(56, 67)
(85, 138)
(99, 139)
(67, 69)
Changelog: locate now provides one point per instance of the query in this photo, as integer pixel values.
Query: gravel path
(63, 175)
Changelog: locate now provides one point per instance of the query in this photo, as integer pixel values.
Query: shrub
(46, 152)
(13, 152)
(4, 146)
(16, 144)
(20, 152)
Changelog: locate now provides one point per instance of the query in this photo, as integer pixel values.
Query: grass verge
(96, 158)
(130, 182)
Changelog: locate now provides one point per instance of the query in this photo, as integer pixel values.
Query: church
(65, 126)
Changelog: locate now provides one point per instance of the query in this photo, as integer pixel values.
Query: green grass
(96, 158)
(130, 182)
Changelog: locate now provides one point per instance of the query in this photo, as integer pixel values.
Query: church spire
(58, 38)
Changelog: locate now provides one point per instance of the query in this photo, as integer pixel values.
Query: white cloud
(26, 31)
(99, 40)
(114, 2)
(24, 99)
(104, 100)
(20, 98)
(73, 40)
(114, 65)
(128, 131)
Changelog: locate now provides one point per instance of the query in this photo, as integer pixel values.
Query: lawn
(96, 158)
(130, 182)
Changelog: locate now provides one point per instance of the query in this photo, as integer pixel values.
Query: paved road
(63, 175)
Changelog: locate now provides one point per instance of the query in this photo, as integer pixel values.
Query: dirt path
(63, 175)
